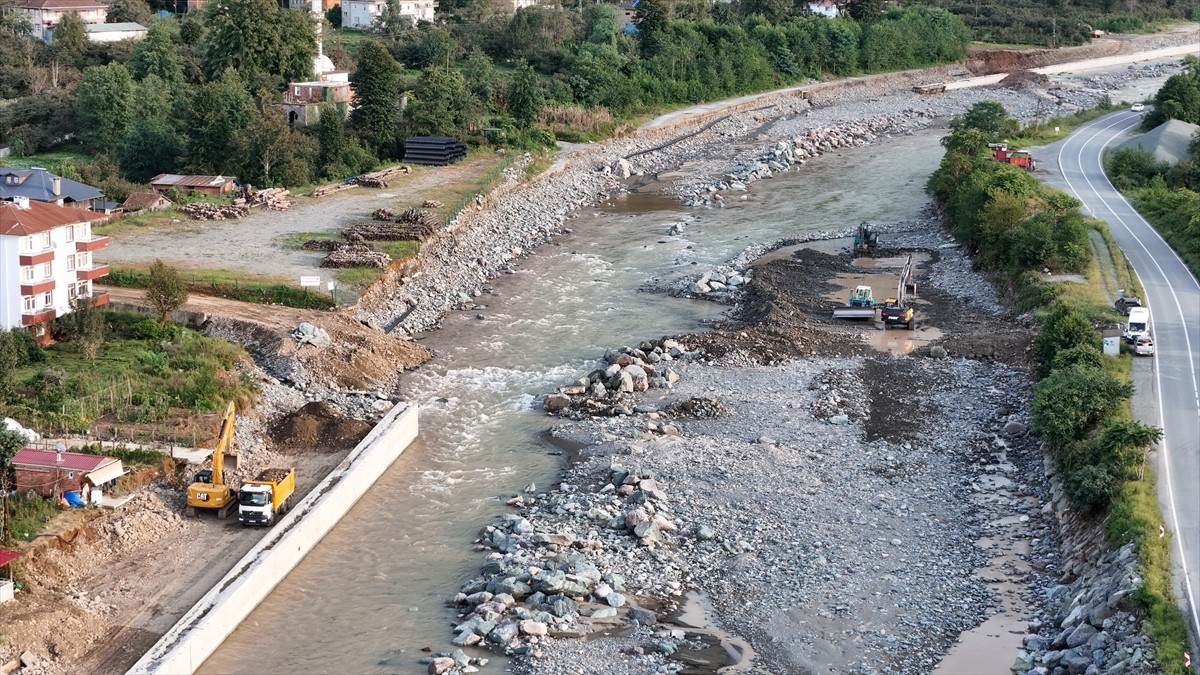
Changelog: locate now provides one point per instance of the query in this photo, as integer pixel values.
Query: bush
(1063, 328)
(1070, 402)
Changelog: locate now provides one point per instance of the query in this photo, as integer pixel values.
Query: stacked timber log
(272, 198)
(379, 179)
(321, 244)
(355, 255)
(375, 231)
(384, 214)
(432, 204)
(322, 190)
(206, 211)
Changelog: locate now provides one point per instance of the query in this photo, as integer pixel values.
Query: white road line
(1187, 584)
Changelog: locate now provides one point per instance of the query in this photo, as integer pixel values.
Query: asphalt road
(1173, 295)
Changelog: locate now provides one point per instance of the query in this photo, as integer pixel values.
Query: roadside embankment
(185, 647)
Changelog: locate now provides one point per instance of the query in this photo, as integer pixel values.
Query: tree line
(202, 93)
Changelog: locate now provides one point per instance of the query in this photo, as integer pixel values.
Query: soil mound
(1024, 78)
(317, 426)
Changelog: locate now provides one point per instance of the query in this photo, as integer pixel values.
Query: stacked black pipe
(434, 150)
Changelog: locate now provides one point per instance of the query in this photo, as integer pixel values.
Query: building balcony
(92, 273)
(36, 287)
(28, 259)
(93, 244)
(100, 299)
(38, 316)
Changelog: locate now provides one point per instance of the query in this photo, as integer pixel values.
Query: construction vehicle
(862, 296)
(267, 496)
(864, 238)
(898, 311)
(209, 491)
(1021, 158)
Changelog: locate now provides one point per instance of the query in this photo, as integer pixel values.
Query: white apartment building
(362, 14)
(46, 261)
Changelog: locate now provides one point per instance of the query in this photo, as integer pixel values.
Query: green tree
(376, 84)
(70, 40)
(1179, 97)
(480, 74)
(11, 443)
(442, 104)
(83, 326)
(988, 117)
(166, 290)
(391, 22)
(102, 106)
(1068, 403)
(525, 98)
(271, 153)
(1062, 328)
(331, 140)
(334, 16)
(214, 114)
(267, 45)
(156, 54)
(134, 11)
(150, 148)
(865, 11)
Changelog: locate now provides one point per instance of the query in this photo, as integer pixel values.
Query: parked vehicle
(1144, 346)
(1021, 158)
(1126, 302)
(1139, 323)
(265, 497)
(1137, 107)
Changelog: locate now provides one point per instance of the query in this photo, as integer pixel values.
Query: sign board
(1112, 346)
(310, 281)
(329, 286)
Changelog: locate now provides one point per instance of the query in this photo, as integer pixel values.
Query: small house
(45, 15)
(209, 185)
(142, 202)
(50, 473)
(40, 185)
(825, 8)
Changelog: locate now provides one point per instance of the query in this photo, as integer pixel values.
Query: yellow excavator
(209, 491)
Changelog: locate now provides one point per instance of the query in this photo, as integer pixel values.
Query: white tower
(322, 65)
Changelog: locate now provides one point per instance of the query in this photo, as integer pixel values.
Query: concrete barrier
(206, 625)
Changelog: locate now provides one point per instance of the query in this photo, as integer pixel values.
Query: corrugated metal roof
(40, 217)
(39, 184)
(73, 461)
(143, 200)
(189, 181)
(113, 27)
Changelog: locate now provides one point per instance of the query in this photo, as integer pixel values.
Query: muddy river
(374, 591)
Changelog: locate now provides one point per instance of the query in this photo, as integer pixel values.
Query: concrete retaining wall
(198, 634)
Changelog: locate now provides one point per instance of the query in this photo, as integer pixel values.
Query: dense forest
(1060, 23)
(200, 93)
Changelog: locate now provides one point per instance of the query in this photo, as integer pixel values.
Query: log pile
(432, 204)
(375, 231)
(321, 244)
(384, 214)
(379, 179)
(322, 190)
(206, 211)
(419, 217)
(272, 198)
(355, 255)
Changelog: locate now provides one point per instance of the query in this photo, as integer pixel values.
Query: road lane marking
(1118, 120)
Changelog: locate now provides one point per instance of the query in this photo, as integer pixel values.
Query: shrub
(1069, 402)
(1063, 328)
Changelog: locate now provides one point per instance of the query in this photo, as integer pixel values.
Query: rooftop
(73, 461)
(113, 27)
(62, 5)
(189, 181)
(38, 184)
(136, 201)
(38, 217)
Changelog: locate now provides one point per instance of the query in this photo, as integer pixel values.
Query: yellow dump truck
(267, 496)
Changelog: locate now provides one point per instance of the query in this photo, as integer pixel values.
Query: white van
(1139, 323)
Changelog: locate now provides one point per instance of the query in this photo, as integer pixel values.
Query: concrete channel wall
(198, 634)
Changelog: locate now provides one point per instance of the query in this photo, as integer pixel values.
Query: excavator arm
(223, 443)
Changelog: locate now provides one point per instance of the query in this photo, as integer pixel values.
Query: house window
(70, 291)
(46, 240)
(26, 243)
(297, 91)
(47, 270)
(27, 273)
(83, 231)
(70, 233)
(85, 289)
(70, 263)
(84, 260)
(47, 298)
(12, 180)
(28, 302)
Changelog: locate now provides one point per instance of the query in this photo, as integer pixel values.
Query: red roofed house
(44, 15)
(209, 185)
(45, 263)
(50, 473)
